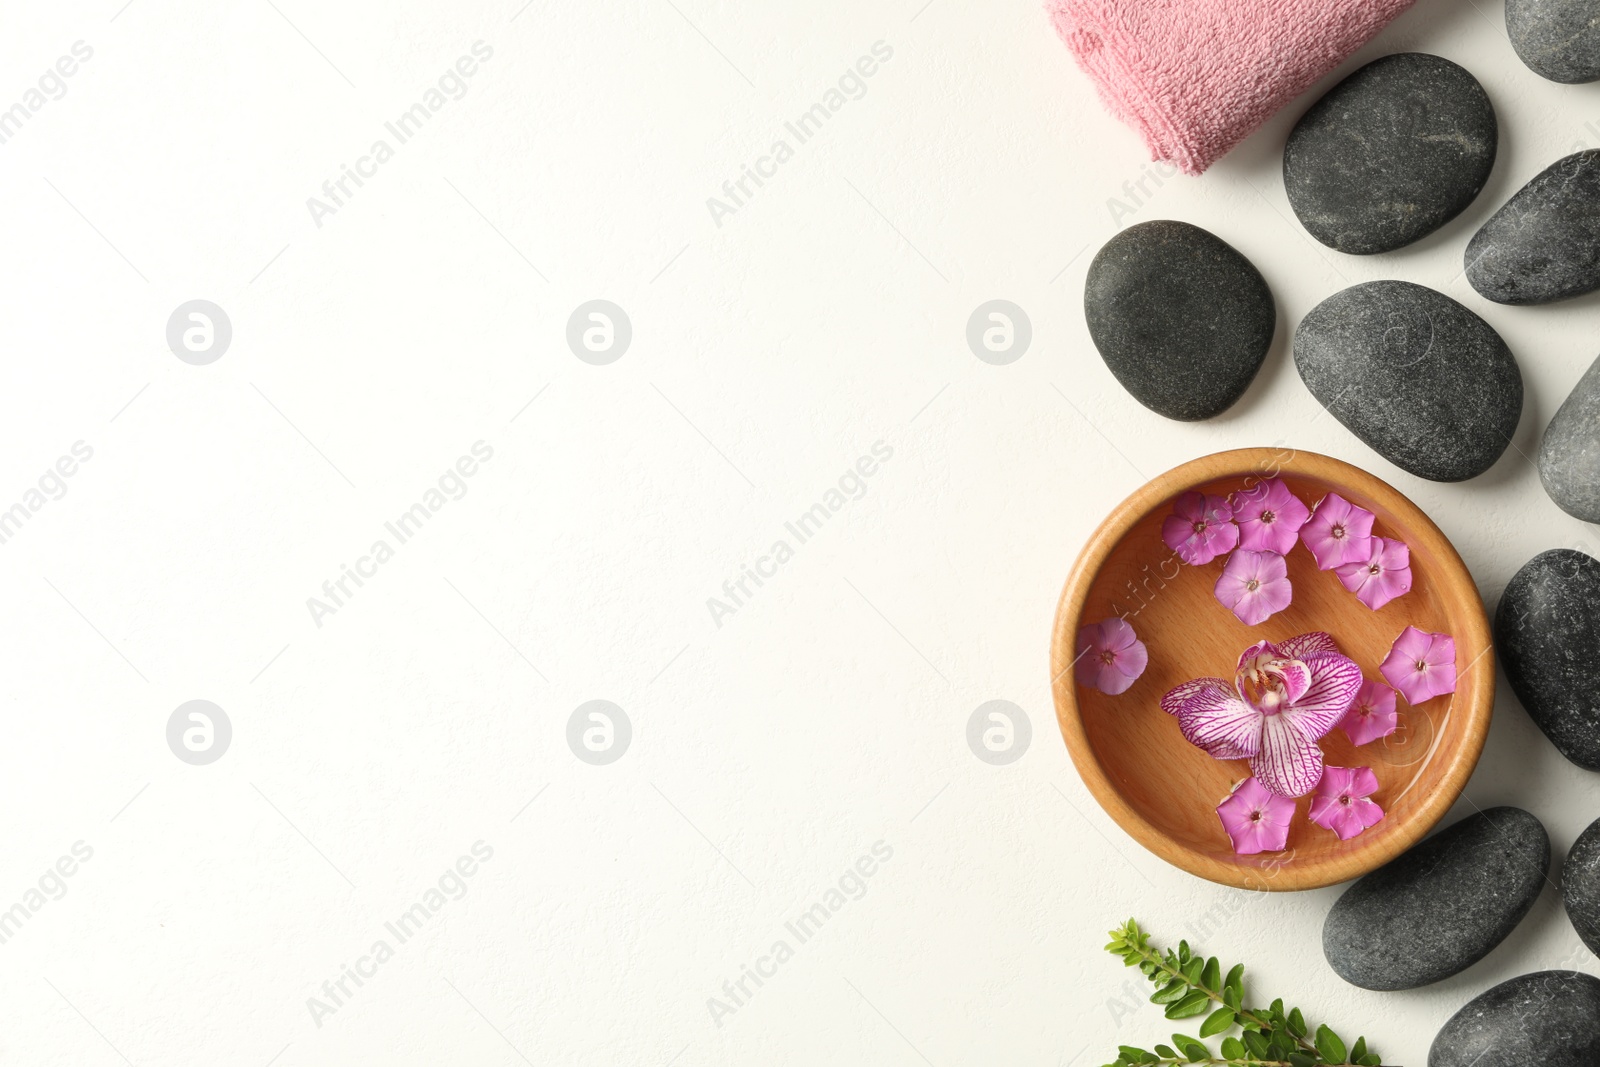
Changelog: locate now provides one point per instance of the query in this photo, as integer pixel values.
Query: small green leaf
(1371, 1059)
(1329, 1045)
(1211, 977)
(1255, 1043)
(1129, 1053)
(1358, 1050)
(1234, 1049)
(1193, 1004)
(1216, 1022)
(1166, 1052)
(1192, 1048)
(1302, 1059)
(1297, 1024)
(1233, 998)
(1173, 990)
(1193, 969)
(1236, 978)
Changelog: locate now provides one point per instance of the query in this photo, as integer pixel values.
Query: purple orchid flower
(1284, 698)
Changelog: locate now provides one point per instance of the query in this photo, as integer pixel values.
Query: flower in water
(1200, 528)
(1372, 715)
(1338, 532)
(1269, 516)
(1421, 665)
(1110, 656)
(1382, 576)
(1340, 803)
(1255, 585)
(1257, 820)
(1283, 699)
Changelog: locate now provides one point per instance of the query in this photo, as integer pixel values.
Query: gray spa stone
(1580, 886)
(1415, 375)
(1547, 632)
(1551, 1018)
(1390, 154)
(1569, 458)
(1180, 317)
(1544, 243)
(1441, 907)
(1557, 39)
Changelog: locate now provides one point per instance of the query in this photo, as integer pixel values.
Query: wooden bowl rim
(1457, 590)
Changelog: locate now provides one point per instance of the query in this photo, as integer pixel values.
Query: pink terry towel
(1195, 77)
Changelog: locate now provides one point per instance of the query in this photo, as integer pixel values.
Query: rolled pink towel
(1196, 77)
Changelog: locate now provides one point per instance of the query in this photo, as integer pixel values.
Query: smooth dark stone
(1569, 458)
(1441, 907)
(1544, 244)
(1181, 318)
(1580, 886)
(1390, 154)
(1547, 632)
(1415, 375)
(1557, 39)
(1549, 1019)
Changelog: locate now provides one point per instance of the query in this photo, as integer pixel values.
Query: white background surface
(768, 353)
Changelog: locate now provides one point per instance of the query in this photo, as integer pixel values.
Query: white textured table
(820, 317)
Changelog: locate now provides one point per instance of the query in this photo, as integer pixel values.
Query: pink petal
(1340, 803)
(1335, 681)
(1255, 820)
(1436, 651)
(1272, 594)
(1335, 780)
(1289, 763)
(1117, 634)
(1131, 661)
(1317, 534)
(1305, 644)
(1296, 678)
(1289, 514)
(1372, 715)
(1218, 537)
(1086, 667)
(1382, 588)
(1216, 721)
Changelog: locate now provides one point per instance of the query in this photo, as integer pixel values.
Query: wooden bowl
(1163, 790)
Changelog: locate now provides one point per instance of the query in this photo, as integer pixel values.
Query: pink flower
(1337, 532)
(1255, 585)
(1421, 665)
(1200, 528)
(1372, 715)
(1110, 656)
(1340, 803)
(1269, 516)
(1382, 576)
(1257, 820)
(1283, 699)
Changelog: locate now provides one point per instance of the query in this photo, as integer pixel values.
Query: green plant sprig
(1189, 985)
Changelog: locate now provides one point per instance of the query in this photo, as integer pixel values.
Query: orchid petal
(1217, 721)
(1258, 651)
(1289, 763)
(1296, 678)
(1172, 702)
(1336, 680)
(1303, 645)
